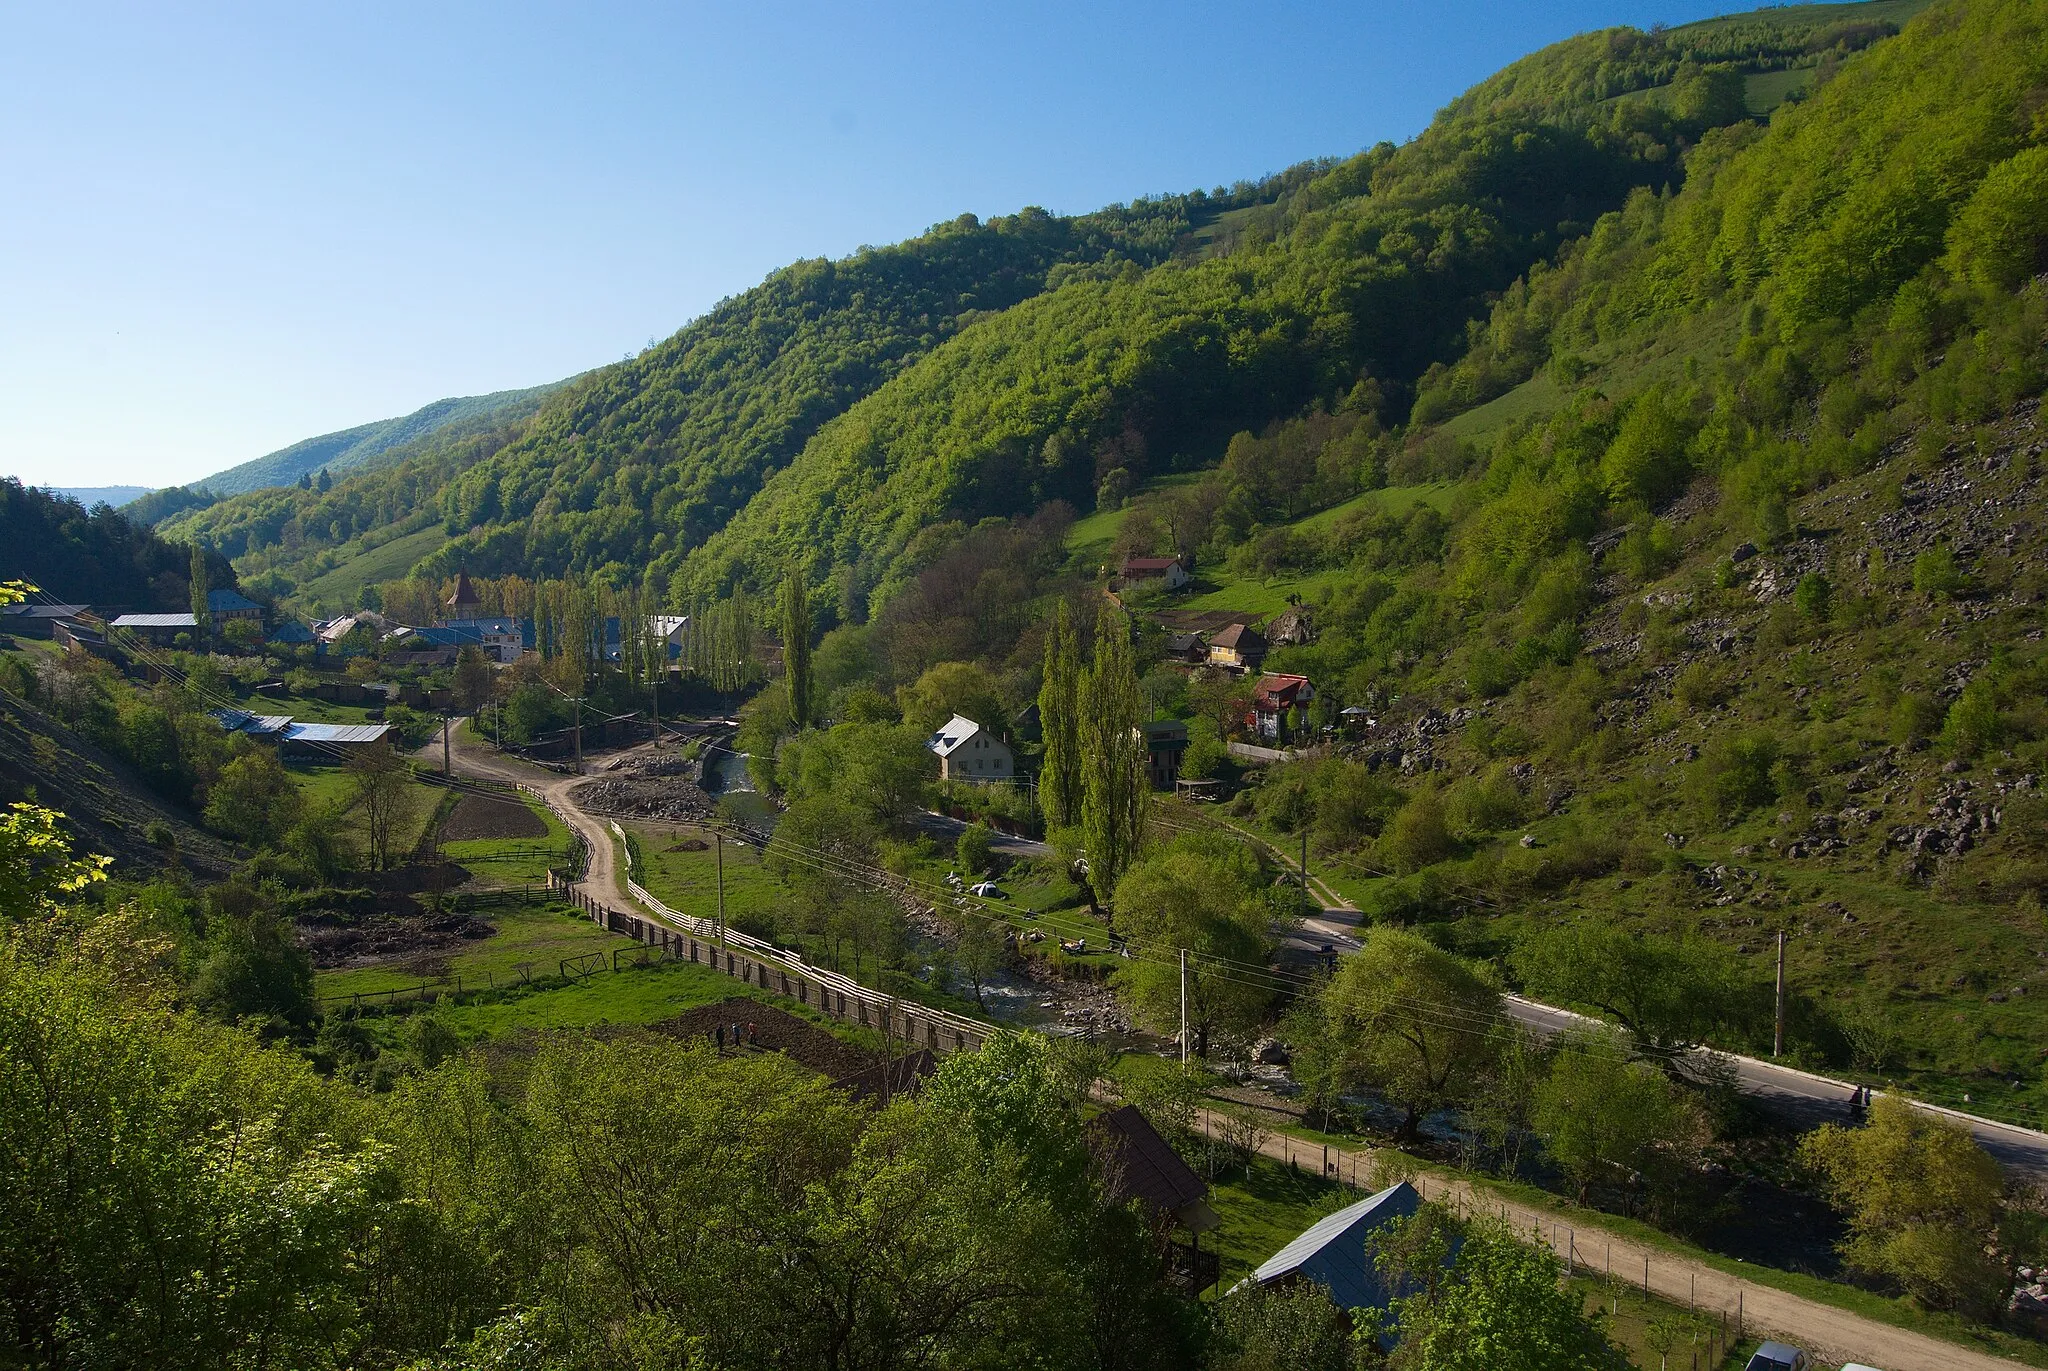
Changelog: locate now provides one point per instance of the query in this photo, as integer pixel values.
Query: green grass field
(687, 880)
(386, 562)
(536, 937)
(634, 995)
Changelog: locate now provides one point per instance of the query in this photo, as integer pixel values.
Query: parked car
(1776, 1356)
(987, 890)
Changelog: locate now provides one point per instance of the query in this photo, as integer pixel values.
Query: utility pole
(1183, 1007)
(444, 747)
(718, 845)
(657, 705)
(1304, 859)
(1778, 1035)
(578, 702)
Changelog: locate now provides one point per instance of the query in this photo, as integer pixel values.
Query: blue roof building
(1337, 1252)
(293, 634)
(232, 604)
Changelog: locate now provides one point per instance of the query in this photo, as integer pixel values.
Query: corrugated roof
(228, 601)
(335, 733)
(1334, 1251)
(156, 621)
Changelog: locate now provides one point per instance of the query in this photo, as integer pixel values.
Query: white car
(987, 890)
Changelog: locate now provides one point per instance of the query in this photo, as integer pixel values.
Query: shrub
(1734, 777)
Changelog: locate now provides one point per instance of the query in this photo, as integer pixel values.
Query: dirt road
(1834, 1335)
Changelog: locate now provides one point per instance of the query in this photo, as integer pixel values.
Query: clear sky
(224, 229)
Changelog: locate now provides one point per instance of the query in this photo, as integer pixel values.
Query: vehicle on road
(1777, 1356)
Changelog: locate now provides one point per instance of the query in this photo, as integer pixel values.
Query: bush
(975, 849)
(1973, 723)
(1936, 575)
(1420, 835)
(1734, 777)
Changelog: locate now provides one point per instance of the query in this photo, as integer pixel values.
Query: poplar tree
(1113, 756)
(796, 647)
(202, 618)
(1059, 781)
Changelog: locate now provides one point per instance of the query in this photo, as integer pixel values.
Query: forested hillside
(96, 556)
(376, 444)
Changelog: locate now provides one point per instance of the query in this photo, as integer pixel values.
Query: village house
(1237, 648)
(226, 606)
(1165, 741)
(36, 621)
(1279, 709)
(967, 753)
(1186, 647)
(1137, 570)
(1336, 1253)
(157, 628)
(501, 639)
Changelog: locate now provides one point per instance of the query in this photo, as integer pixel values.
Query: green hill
(374, 444)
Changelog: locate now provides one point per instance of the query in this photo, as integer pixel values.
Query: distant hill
(95, 495)
(358, 448)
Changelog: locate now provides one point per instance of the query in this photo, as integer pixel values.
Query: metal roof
(228, 601)
(1137, 1163)
(335, 733)
(957, 731)
(243, 721)
(41, 611)
(156, 621)
(1334, 1252)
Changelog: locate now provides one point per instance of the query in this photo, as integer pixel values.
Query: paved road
(944, 825)
(1802, 1097)
(1834, 1335)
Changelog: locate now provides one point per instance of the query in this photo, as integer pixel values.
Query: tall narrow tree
(201, 615)
(796, 647)
(1113, 756)
(1059, 706)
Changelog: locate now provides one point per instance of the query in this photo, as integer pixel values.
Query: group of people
(742, 1034)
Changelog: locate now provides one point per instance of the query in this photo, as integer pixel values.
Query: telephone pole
(1183, 1007)
(718, 845)
(578, 702)
(444, 747)
(1778, 1034)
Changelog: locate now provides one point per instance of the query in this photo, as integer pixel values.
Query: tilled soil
(771, 1030)
(479, 816)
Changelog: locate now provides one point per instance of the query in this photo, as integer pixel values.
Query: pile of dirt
(481, 816)
(770, 1029)
(652, 787)
(340, 939)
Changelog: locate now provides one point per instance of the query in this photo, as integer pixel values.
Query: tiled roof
(1238, 637)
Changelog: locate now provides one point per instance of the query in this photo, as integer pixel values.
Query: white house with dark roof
(967, 752)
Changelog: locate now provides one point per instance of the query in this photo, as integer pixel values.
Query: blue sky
(229, 228)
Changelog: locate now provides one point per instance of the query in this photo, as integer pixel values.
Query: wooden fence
(682, 938)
